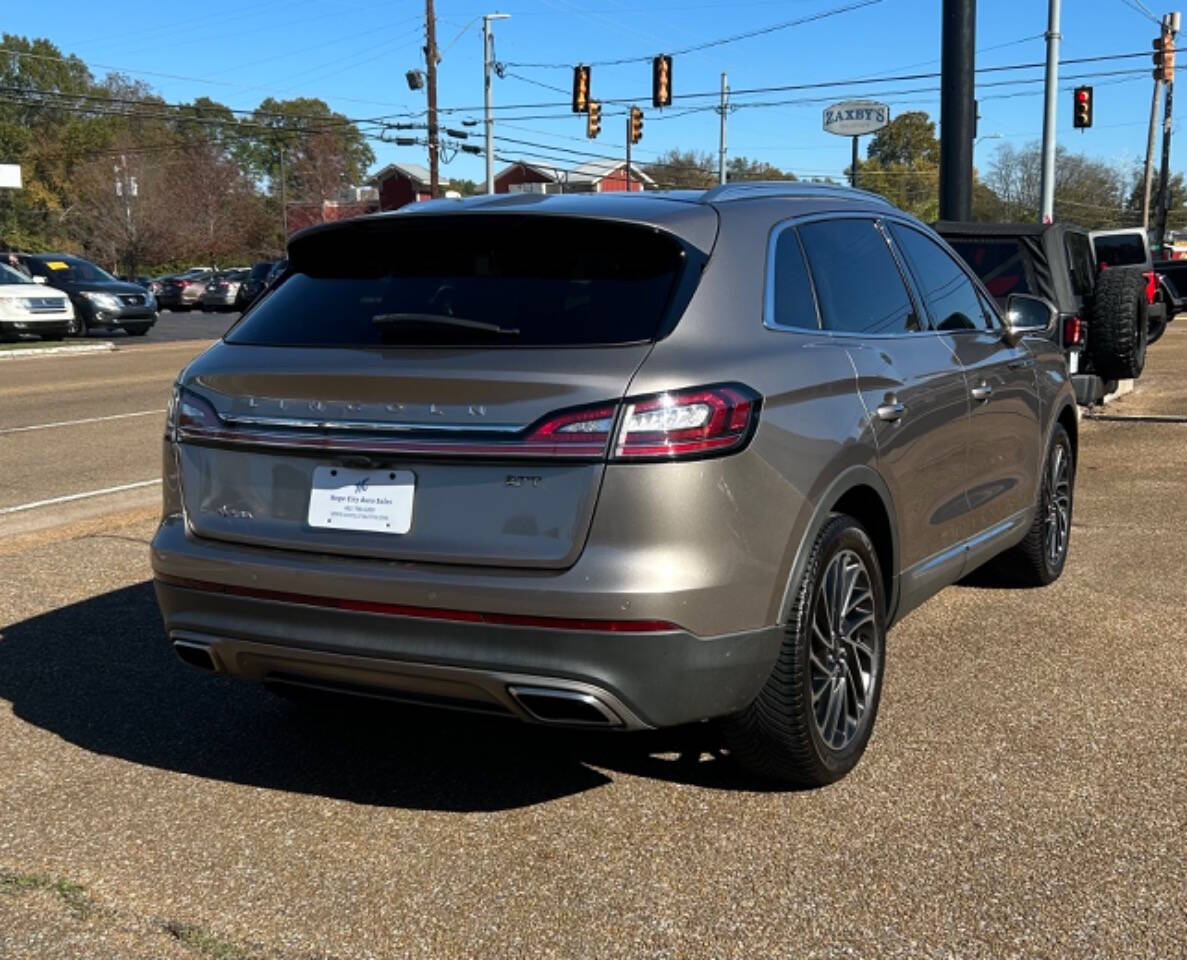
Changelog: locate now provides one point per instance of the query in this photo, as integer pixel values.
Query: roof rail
(745, 189)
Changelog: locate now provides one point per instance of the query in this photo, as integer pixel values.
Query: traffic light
(661, 81)
(593, 119)
(636, 124)
(1164, 58)
(1082, 109)
(580, 88)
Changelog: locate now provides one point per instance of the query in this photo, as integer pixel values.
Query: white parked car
(27, 307)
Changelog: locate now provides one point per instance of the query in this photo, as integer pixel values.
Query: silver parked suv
(621, 461)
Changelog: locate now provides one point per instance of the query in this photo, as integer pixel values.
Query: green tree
(683, 169)
(743, 168)
(903, 164)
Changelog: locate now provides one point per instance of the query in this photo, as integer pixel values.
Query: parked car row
(86, 297)
(97, 299)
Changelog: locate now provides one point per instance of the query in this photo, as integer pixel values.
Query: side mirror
(1029, 316)
(38, 279)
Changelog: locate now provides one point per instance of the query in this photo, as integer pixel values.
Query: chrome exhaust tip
(195, 654)
(573, 707)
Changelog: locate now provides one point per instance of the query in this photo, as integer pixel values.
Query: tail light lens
(679, 424)
(686, 423)
(1073, 332)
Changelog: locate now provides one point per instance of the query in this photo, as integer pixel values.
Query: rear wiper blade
(440, 319)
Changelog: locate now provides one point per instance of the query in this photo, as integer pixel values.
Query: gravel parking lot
(1025, 793)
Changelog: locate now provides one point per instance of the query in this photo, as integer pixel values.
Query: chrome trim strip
(371, 426)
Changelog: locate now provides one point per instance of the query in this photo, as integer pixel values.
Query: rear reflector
(425, 613)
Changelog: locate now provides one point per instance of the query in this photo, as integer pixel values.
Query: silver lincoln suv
(614, 461)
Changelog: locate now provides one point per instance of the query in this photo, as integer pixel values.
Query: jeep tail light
(686, 423)
(1073, 332)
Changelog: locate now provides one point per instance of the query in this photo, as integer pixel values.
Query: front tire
(1040, 558)
(810, 724)
(77, 327)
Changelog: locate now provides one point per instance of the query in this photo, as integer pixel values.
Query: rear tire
(1040, 558)
(810, 724)
(1118, 333)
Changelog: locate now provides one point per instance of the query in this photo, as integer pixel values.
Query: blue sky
(353, 54)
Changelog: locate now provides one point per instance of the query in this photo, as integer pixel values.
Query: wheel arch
(861, 493)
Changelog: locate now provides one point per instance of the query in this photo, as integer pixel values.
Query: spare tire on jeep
(1118, 328)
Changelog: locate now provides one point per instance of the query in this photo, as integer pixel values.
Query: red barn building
(403, 183)
(597, 176)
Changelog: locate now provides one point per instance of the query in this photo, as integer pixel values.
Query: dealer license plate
(376, 501)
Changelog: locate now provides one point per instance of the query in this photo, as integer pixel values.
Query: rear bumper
(645, 679)
(1090, 389)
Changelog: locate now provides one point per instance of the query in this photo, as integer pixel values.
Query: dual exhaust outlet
(544, 704)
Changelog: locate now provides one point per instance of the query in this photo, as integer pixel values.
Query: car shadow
(100, 674)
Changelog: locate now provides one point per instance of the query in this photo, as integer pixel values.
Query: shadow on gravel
(100, 675)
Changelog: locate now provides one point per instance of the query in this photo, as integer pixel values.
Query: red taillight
(686, 423)
(574, 432)
(1073, 332)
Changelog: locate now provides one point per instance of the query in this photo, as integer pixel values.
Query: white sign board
(10, 175)
(854, 118)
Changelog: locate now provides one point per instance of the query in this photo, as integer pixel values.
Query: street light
(488, 56)
(989, 136)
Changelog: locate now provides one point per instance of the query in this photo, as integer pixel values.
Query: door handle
(891, 412)
(982, 393)
(1022, 364)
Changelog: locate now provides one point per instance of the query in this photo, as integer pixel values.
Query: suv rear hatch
(411, 369)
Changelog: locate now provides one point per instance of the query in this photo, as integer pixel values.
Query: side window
(793, 304)
(1079, 258)
(858, 284)
(947, 291)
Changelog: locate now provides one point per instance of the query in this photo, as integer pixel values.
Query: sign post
(855, 118)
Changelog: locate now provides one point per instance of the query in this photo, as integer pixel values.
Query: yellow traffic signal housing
(581, 78)
(1082, 108)
(636, 127)
(661, 81)
(593, 119)
(1164, 58)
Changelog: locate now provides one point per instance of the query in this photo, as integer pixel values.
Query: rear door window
(1079, 258)
(1000, 263)
(858, 283)
(948, 293)
(497, 280)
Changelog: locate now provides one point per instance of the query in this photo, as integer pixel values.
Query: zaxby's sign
(854, 118)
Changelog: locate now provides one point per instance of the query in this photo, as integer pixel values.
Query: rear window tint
(1122, 250)
(1000, 264)
(1079, 258)
(486, 280)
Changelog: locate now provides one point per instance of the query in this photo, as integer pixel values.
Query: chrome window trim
(876, 217)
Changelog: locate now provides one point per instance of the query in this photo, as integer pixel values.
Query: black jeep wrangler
(1103, 312)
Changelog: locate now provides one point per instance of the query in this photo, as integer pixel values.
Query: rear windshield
(1120, 250)
(1000, 264)
(500, 280)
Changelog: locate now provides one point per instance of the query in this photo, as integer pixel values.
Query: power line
(708, 44)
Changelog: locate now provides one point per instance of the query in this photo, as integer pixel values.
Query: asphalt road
(173, 326)
(1025, 792)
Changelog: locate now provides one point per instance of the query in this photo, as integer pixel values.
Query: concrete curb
(103, 347)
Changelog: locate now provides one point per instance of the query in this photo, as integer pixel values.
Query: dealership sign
(854, 118)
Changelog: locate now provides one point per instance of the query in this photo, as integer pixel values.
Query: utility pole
(853, 166)
(1047, 204)
(488, 60)
(957, 62)
(1147, 182)
(723, 109)
(431, 64)
(284, 206)
(1170, 28)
